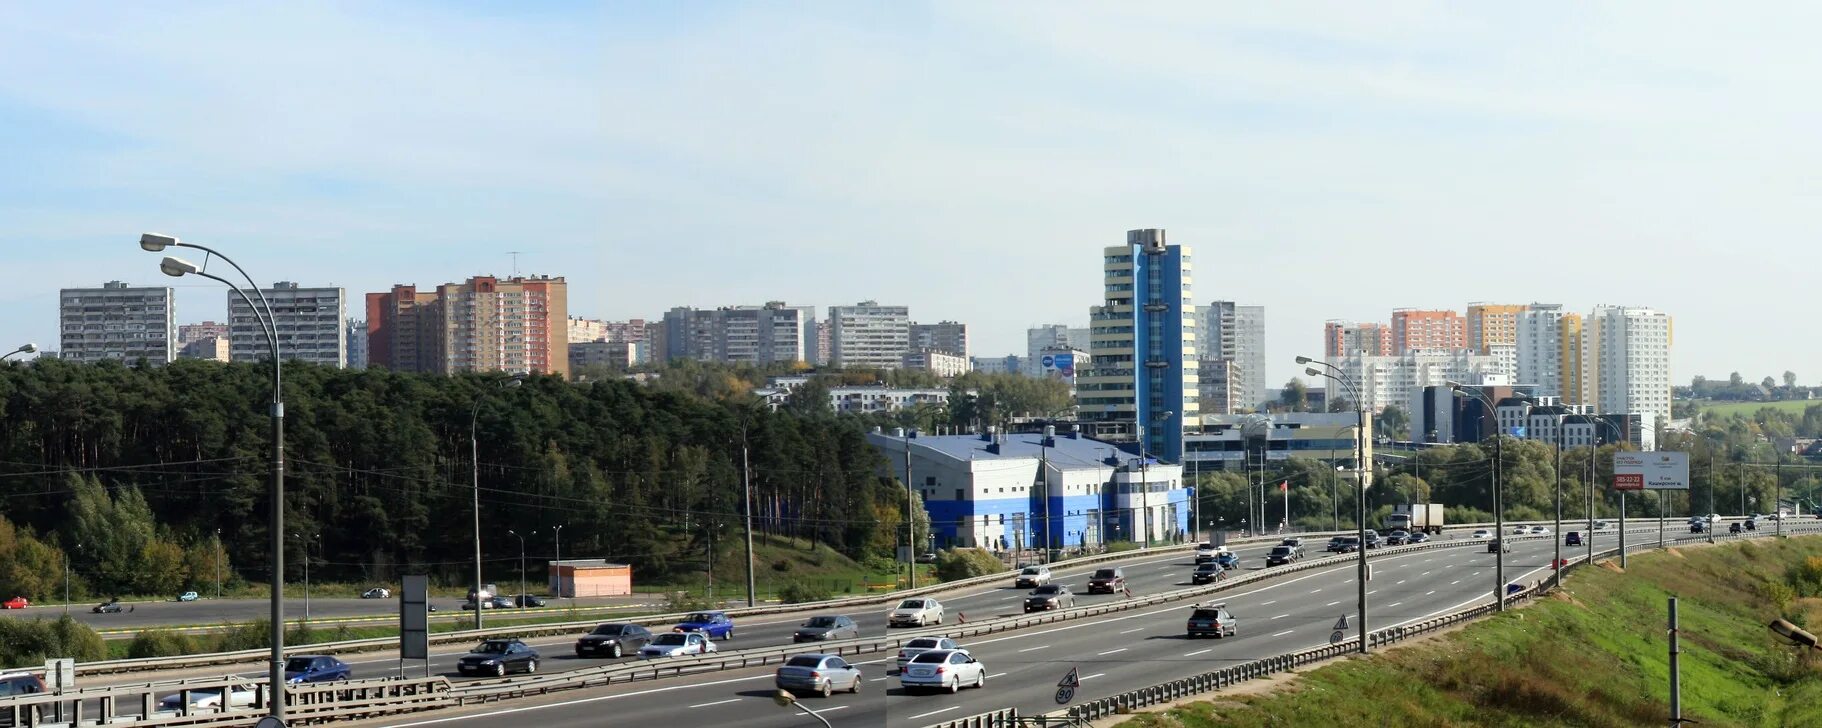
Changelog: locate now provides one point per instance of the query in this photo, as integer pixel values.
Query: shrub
(160, 643)
(954, 564)
(1118, 546)
(29, 643)
(682, 601)
(797, 592)
(1806, 578)
(782, 566)
(255, 635)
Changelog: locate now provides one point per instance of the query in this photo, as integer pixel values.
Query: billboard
(1651, 471)
(1058, 364)
(414, 618)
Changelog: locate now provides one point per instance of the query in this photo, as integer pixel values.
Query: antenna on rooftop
(515, 262)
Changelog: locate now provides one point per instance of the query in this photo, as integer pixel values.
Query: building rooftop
(1065, 452)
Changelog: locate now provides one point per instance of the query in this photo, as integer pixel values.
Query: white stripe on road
(1429, 593)
(718, 702)
(830, 710)
(1281, 634)
(1111, 652)
(933, 712)
(1393, 604)
(1281, 616)
(1200, 652)
(1330, 604)
(1034, 649)
(1091, 677)
(1130, 631)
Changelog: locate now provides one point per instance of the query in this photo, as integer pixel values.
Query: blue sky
(1326, 160)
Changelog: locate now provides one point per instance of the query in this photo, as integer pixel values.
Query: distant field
(1724, 409)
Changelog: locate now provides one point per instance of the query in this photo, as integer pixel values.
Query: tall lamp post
(1499, 511)
(178, 267)
(1334, 374)
(522, 592)
(305, 540)
(558, 592)
(474, 451)
(23, 349)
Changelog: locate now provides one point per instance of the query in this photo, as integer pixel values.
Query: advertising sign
(414, 618)
(1651, 471)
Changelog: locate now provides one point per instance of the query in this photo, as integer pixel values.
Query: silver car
(677, 644)
(919, 645)
(949, 670)
(820, 674)
(916, 612)
(1032, 577)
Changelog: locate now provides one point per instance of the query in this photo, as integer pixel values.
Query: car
(1698, 527)
(488, 604)
(487, 591)
(1032, 577)
(1539, 531)
(915, 612)
(1206, 552)
(1417, 537)
(300, 669)
(1109, 579)
(1296, 541)
(1398, 537)
(1521, 531)
(1497, 545)
(378, 592)
(677, 644)
(209, 699)
(19, 683)
(1348, 545)
(825, 627)
(949, 670)
(1752, 524)
(927, 557)
(1206, 573)
(716, 625)
(529, 600)
(1212, 619)
(16, 603)
(1048, 597)
(1336, 545)
(1281, 555)
(1513, 588)
(1480, 533)
(1227, 560)
(498, 657)
(613, 640)
(1602, 525)
(820, 674)
(1373, 540)
(188, 596)
(1735, 527)
(111, 606)
(919, 645)
(501, 603)
(1572, 538)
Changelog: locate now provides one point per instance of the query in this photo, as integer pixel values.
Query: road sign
(1335, 637)
(1072, 680)
(1342, 623)
(269, 722)
(1651, 471)
(414, 618)
(1064, 695)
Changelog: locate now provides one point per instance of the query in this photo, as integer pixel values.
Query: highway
(328, 611)
(1116, 653)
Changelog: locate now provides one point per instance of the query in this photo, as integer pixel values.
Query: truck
(1425, 517)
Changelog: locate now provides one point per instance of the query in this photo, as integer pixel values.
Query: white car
(1032, 577)
(949, 670)
(378, 592)
(677, 644)
(1539, 531)
(919, 645)
(209, 699)
(1207, 552)
(1600, 525)
(916, 612)
(1482, 533)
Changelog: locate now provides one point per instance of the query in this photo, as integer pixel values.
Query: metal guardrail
(141, 705)
(1215, 680)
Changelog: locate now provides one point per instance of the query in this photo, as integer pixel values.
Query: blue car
(315, 668)
(1227, 560)
(716, 625)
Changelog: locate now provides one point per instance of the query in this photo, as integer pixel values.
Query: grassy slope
(820, 566)
(1595, 656)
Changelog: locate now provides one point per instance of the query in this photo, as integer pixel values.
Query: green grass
(779, 562)
(1746, 409)
(1594, 655)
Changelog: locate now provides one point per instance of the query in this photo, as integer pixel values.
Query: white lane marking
(1110, 652)
(1034, 649)
(1400, 583)
(1091, 677)
(1281, 634)
(997, 674)
(878, 679)
(1267, 604)
(1393, 604)
(830, 710)
(1330, 604)
(1200, 652)
(1429, 593)
(1130, 631)
(718, 702)
(1281, 616)
(1371, 592)
(1453, 583)
(1313, 591)
(933, 712)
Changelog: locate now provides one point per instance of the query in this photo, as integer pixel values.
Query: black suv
(1281, 555)
(1206, 573)
(613, 640)
(1107, 579)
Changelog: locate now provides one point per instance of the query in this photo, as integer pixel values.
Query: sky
(967, 159)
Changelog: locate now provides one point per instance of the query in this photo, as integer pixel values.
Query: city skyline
(1581, 157)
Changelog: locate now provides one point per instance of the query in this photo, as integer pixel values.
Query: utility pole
(746, 479)
(1043, 486)
(1676, 678)
(910, 520)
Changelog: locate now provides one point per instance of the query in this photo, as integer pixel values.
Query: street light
(23, 349)
(785, 699)
(1335, 374)
(474, 444)
(66, 581)
(306, 542)
(522, 591)
(559, 590)
(177, 267)
(1145, 474)
(1499, 512)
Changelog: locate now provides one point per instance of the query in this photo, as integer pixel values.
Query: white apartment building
(868, 336)
(1398, 380)
(117, 322)
(1549, 351)
(938, 362)
(1626, 364)
(308, 323)
(357, 343)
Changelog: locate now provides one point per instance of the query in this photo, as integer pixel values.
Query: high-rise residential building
(948, 336)
(868, 336)
(209, 348)
(1215, 379)
(1346, 338)
(938, 362)
(1549, 351)
(1626, 364)
(205, 330)
(1492, 324)
(484, 324)
(1010, 364)
(1044, 337)
(308, 323)
(1396, 380)
(614, 354)
(582, 329)
(356, 334)
(765, 334)
(1416, 330)
(823, 339)
(118, 322)
(1235, 333)
(1143, 348)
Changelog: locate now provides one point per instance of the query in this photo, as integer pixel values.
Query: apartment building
(1549, 351)
(749, 335)
(483, 324)
(1626, 364)
(117, 322)
(948, 336)
(208, 348)
(868, 336)
(1493, 324)
(307, 322)
(205, 330)
(1142, 370)
(355, 332)
(1347, 338)
(405, 330)
(1420, 330)
(1397, 380)
(938, 362)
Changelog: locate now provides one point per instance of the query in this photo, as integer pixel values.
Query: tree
(1393, 422)
(1735, 379)
(1769, 383)
(1790, 380)
(1295, 397)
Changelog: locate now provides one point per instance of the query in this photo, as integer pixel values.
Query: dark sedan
(825, 627)
(111, 606)
(498, 657)
(613, 640)
(315, 668)
(1397, 538)
(1048, 597)
(1417, 537)
(529, 600)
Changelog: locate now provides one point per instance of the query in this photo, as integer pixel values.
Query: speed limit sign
(1064, 695)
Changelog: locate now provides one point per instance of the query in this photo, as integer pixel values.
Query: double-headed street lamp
(178, 267)
(23, 349)
(1500, 538)
(1334, 374)
(474, 444)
